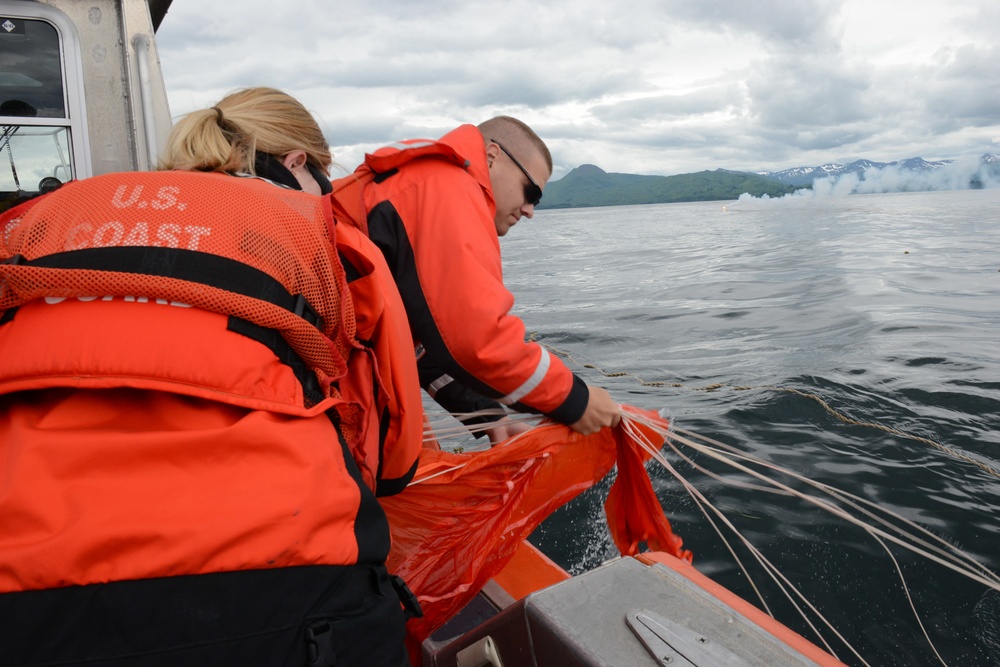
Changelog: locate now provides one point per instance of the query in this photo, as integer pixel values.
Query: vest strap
(188, 265)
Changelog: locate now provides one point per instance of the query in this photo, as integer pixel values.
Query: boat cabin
(81, 91)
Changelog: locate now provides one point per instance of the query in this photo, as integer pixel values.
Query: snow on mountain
(806, 175)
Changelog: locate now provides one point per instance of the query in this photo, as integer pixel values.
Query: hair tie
(228, 129)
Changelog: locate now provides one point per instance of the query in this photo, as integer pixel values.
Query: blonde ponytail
(228, 135)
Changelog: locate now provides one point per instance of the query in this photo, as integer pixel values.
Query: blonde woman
(190, 471)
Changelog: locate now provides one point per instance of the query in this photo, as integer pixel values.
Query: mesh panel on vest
(286, 234)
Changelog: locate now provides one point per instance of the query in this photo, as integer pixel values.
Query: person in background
(437, 209)
(188, 471)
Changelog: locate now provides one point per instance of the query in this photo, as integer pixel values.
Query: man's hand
(601, 411)
(505, 428)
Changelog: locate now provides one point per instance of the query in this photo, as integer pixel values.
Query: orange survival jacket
(428, 205)
(208, 391)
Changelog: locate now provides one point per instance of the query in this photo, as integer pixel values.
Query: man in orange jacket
(438, 223)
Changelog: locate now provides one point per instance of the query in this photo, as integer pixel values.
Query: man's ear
(294, 160)
(492, 152)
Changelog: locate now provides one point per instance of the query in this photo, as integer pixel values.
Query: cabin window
(36, 130)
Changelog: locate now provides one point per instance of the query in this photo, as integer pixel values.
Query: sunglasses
(532, 193)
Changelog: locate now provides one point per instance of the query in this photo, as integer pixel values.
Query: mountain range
(806, 175)
(589, 185)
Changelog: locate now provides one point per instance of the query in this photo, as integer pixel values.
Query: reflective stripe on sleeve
(434, 387)
(529, 385)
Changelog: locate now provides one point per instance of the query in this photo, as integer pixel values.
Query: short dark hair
(516, 134)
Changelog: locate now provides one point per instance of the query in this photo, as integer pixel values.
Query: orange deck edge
(528, 571)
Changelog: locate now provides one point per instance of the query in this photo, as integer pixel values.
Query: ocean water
(885, 307)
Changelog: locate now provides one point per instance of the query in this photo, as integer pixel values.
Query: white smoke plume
(959, 175)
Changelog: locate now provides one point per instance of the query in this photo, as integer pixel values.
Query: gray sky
(643, 87)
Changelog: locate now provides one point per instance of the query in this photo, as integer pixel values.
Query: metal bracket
(674, 645)
(481, 654)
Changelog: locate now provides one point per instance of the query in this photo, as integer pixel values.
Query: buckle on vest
(411, 606)
(318, 645)
(383, 175)
(15, 260)
(302, 308)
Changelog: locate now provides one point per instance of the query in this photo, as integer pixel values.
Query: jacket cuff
(572, 409)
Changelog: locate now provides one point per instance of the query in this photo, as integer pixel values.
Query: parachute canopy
(462, 518)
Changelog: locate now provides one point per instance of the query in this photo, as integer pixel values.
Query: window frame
(74, 102)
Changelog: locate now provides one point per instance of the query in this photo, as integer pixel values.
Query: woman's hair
(228, 136)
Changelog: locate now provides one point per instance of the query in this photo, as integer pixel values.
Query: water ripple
(882, 306)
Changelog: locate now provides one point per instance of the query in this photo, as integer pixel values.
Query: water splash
(987, 618)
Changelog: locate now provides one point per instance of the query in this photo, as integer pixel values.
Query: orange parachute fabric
(633, 510)
(460, 521)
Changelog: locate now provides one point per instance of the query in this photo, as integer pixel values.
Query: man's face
(512, 187)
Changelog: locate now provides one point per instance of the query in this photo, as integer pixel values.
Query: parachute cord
(769, 568)
(448, 426)
(950, 561)
(701, 502)
(881, 542)
(463, 429)
(780, 580)
(909, 598)
(946, 550)
(985, 467)
(961, 562)
(950, 556)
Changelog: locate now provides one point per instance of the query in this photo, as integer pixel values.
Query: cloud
(706, 101)
(979, 20)
(782, 24)
(963, 89)
(652, 86)
(808, 92)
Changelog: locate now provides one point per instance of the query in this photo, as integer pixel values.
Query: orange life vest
(227, 299)
(396, 417)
